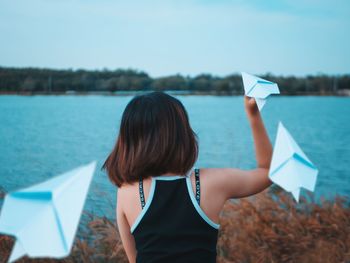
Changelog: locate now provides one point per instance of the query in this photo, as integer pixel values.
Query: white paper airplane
(44, 218)
(258, 88)
(290, 168)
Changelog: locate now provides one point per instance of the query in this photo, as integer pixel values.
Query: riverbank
(269, 227)
(46, 80)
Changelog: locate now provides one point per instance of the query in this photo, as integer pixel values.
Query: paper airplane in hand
(44, 217)
(258, 88)
(290, 168)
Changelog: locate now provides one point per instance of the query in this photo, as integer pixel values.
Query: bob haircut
(155, 138)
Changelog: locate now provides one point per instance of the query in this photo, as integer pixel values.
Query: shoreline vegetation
(269, 227)
(45, 81)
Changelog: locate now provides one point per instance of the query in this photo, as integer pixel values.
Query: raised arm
(236, 183)
(262, 144)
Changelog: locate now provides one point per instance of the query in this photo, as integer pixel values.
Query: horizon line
(74, 69)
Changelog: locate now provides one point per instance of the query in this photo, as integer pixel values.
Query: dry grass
(266, 228)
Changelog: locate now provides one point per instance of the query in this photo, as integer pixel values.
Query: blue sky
(164, 37)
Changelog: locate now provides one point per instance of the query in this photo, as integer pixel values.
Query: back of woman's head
(155, 137)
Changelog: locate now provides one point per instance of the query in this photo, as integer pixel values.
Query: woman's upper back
(217, 185)
(172, 226)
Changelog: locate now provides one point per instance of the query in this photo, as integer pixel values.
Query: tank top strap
(198, 185)
(198, 189)
(142, 195)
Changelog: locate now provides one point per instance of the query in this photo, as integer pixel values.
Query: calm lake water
(43, 136)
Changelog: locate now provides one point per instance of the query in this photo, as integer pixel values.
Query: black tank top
(172, 227)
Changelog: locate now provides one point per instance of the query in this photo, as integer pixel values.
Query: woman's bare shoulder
(127, 188)
(130, 191)
(221, 181)
(217, 174)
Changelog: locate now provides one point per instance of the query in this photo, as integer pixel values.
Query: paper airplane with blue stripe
(290, 168)
(258, 88)
(44, 218)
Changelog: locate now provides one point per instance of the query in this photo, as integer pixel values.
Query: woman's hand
(263, 148)
(250, 107)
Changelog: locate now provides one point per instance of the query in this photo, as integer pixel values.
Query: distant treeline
(37, 80)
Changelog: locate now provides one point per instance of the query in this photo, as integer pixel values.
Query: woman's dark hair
(155, 137)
